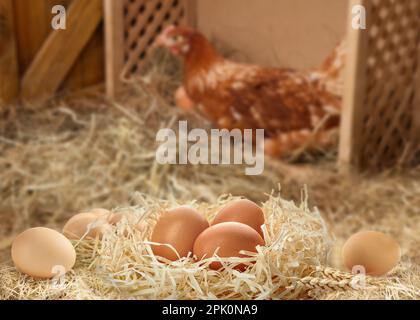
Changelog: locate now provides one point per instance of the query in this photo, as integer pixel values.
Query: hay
(83, 152)
(290, 266)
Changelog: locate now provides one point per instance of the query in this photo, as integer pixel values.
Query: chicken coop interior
(80, 108)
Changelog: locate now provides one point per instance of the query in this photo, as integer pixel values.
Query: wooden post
(9, 76)
(60, 51)
(355, 90)
(114, 45)
(191, 13)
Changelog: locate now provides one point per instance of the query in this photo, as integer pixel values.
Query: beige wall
(290, 33)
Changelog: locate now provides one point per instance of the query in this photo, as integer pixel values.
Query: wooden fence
(36, 60)
(40, 60)
(380, 122)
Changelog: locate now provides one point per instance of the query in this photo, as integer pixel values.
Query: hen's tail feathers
(334, 65)
(287, 143)
(330, 75)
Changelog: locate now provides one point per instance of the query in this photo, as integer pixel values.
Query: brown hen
(288, 104)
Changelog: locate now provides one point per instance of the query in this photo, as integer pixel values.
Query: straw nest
(123, 266)
(83, 152)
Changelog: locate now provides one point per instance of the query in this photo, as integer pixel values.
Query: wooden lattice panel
(143, 21)
(386, 59)
(131, 27)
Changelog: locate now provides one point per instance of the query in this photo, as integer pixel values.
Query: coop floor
(85, 152)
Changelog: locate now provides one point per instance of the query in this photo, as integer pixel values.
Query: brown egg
(100, 212)
(178, 227)
(182, 99)
(376, 252)
(229, 238)
(42, 253)
(81, 223)
(115, 217)
(243, 211)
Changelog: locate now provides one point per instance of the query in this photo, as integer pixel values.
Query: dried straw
(291, 265)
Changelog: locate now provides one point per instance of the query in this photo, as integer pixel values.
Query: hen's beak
(163, 40)
(159, 42)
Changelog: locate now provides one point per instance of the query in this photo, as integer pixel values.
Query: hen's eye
(178, 38)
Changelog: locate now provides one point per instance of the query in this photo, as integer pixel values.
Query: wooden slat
(32, 28)
(9, 76)
(114, 44)
(74, 78)
(89, 69)
(60, 51)
(190, 13)
(354, 94)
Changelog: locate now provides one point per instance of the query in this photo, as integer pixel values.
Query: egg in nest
(177, 228)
